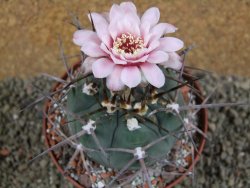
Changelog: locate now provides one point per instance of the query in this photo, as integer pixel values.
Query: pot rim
(204, 121)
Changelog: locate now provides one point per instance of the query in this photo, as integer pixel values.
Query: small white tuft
(89, 89)
(132, 124)
(100, 184)
(89, 126)
(139, 153)
(15, 116)
(186, 121)
(141, 111)
(72, 86)
(79, 147)
(111, 108)
(55, 105)
(174, 107)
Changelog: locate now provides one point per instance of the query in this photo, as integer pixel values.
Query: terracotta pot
(203, 125)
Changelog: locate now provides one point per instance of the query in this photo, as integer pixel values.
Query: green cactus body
(112, 131)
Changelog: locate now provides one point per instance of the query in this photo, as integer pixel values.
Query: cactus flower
(128, 49)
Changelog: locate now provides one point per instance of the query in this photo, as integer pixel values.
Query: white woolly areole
(132, 124)
(111, 108)
(174, 106)
(138, 106)
(139, 153)
(79, 147)
(89, 126)
(72, 86)
(89, 89)
(186, 121)
(100, 184)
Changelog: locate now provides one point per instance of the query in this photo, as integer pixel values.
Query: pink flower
(127, 49)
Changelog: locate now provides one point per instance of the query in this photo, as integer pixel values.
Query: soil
(29, 33)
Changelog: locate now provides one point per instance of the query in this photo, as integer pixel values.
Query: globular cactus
(112, 113)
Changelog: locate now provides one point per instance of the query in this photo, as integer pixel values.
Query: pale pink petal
(114, 82)
(117, 60)
(131, 76)
(87, 65)
(114, 11)
(138, 60)
(131, 59)
(152, 16)
(101, 26)
(128, 7)
(145, 34)
(125, 10)
(124, 19)
(173, 62)
(81, 37)
(106, 16)
(102, 67)
(162, 28)
(105, 48)
(153, 74)
(123, 26)
(153, 44)
(157, 57)
(140, 54)
(170, 44)
(93, 50)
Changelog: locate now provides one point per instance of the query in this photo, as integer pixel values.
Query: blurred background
(29, 32)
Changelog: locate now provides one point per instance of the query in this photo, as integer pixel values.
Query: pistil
(128, 44)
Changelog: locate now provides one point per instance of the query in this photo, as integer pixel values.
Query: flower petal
(162, 28)
(153, 44)
(87, 65)
(128, 7)
(81, 37)
(131, 76)
(102, 67)
(173, 62)
(114, 11)
(117, 60)
(101, 26)
(114, 82)
(145, 32)
(152, 16)
(170, 44)
(93, 50)
(139, 60)
(124, 25)
(157, 57)
(124, 19)
(153, 74)
(105, 48)
(138, 57)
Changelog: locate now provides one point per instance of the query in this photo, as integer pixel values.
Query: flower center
(128, 44)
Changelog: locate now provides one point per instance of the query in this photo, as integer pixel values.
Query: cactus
(111, 127)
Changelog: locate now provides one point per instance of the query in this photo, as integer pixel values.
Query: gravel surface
(225, 161)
